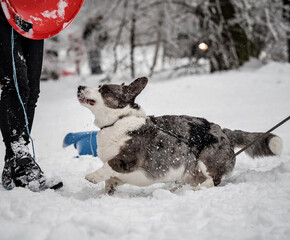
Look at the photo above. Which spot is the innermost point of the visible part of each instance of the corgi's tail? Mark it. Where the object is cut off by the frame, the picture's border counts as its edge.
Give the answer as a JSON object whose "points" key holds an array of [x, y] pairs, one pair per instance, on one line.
{"points": [[269, 145]]}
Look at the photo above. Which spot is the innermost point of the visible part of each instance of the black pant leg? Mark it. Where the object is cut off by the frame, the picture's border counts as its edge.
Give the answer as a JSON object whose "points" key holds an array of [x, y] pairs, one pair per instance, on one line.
{"points": [[12, 122], [33, 53]]}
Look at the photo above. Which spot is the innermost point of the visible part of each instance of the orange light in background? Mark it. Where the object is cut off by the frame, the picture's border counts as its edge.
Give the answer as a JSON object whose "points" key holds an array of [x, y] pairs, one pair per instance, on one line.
{"points": [[203, 46]]}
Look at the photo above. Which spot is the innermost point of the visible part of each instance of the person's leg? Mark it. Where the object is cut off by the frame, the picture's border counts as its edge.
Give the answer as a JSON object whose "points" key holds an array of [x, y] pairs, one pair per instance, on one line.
{"points": [[28, 56], [12, 121], [20, 168], [33, 53]]}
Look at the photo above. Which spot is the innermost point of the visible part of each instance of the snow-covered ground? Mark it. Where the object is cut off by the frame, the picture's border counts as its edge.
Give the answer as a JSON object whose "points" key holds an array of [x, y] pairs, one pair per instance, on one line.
{"points": [[254, 203]]}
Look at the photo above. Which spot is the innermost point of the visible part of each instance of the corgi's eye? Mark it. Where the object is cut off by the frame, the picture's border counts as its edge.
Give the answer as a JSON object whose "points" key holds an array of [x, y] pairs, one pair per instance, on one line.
{"points": [[105, 89]]}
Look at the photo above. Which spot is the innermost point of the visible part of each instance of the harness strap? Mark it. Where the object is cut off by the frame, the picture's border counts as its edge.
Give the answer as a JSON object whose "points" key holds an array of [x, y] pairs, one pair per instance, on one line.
{"points": [[182, 139]]}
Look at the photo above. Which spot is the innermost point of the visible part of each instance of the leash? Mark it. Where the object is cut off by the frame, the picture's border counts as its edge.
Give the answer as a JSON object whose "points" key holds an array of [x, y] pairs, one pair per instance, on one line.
{"points": [[18, 93], [263, 135], [181, 138]]}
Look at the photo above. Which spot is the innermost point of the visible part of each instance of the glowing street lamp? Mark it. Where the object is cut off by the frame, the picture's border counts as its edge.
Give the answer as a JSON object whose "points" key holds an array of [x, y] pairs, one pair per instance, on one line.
{"points": [[203, 46]]}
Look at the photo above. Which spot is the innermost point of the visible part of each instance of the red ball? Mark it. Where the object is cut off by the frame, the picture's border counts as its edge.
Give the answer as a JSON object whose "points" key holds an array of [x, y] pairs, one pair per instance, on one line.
{"points": [[40, 19]]}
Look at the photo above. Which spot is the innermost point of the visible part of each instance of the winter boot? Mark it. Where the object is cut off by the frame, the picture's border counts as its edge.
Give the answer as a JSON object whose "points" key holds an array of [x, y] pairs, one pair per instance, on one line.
{"points": [[21, 170], [25, 172]]}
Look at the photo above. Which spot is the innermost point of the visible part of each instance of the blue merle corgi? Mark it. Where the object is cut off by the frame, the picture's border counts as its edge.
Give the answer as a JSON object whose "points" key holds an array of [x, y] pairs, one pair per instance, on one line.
{"points": [[142, 150]]}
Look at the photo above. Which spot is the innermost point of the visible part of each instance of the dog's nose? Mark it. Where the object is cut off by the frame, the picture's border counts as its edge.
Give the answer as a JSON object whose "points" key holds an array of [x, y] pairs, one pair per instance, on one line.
{"points": [[81, 88]]}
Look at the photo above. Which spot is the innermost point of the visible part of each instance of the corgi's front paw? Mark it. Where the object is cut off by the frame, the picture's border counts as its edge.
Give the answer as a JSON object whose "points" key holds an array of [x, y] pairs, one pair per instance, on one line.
{"points": [[94, 178]]}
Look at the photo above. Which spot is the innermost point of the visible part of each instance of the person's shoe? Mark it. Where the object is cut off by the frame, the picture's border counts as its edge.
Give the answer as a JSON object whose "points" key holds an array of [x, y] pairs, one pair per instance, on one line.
{"points": [[25, 172]]}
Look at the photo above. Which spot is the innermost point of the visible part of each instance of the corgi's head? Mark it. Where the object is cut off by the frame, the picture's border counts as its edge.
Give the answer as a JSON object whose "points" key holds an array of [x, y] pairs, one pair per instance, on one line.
{"points": [[111, 102]]}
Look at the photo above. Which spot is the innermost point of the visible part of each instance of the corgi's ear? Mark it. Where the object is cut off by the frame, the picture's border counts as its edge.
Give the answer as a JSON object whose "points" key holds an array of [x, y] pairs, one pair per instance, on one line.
{"points": [[136, 87]]}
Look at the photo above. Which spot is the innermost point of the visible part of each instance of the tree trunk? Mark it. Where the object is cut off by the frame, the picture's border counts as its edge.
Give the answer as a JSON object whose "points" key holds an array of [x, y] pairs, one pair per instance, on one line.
{"points": [[118, 37], [237, 47], [133, 38], [158, 40]]}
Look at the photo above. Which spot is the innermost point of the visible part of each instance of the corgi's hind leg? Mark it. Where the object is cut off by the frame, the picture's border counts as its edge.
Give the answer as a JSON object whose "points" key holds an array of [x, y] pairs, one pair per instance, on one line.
{"points": [[215, 161], [208, 182]]}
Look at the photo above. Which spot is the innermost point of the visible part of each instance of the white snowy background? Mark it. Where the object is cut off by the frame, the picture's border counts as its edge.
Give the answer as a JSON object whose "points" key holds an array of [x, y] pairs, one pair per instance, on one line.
{"points": [[254, 203]]}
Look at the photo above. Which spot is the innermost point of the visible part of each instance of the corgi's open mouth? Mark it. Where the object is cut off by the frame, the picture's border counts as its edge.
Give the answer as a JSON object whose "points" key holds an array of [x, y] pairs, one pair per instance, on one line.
{"points": [[85, 100]]}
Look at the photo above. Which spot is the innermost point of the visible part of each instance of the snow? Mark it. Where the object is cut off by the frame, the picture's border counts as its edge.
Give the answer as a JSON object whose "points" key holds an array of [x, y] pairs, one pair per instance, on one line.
{"points": [[61, 6], [252, 203], [60, 12]]}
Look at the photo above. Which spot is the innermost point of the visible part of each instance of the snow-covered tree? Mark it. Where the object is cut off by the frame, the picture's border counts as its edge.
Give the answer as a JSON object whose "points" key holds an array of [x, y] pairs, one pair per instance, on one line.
{"points": [[167, 30]]}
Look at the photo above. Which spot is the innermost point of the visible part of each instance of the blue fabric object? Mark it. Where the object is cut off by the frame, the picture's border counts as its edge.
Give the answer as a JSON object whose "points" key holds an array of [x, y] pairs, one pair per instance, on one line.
{"points": [[84, 142]]}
